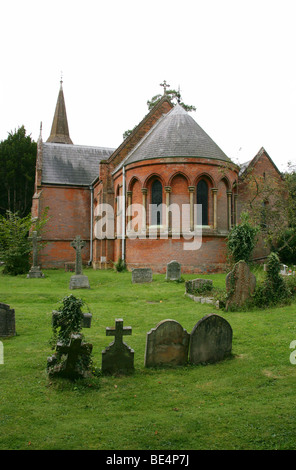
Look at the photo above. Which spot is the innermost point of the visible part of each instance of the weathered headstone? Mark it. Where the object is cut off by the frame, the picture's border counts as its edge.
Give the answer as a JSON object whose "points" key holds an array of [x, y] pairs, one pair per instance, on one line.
{"points": [[210, 340], [141, 275], [167, 344], [86, 322], [75, 352], [118, 357], [78, 281], [173, 271], [35, 271], [7, 321], [240, 284]]}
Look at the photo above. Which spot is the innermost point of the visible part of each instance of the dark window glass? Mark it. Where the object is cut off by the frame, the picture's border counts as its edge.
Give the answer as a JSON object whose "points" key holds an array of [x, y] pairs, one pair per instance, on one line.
{"points": [[156, 200], [202, 198]]}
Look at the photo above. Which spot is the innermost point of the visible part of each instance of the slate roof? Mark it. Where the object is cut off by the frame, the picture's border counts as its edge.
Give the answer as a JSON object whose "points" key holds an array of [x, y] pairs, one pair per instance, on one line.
{"points": [[176, 134], [72, 164]]}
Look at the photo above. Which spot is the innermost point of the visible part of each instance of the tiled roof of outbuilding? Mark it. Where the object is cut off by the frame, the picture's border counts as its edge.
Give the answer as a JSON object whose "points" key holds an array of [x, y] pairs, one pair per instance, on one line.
{"points": [[72, 164], [176, 134]]}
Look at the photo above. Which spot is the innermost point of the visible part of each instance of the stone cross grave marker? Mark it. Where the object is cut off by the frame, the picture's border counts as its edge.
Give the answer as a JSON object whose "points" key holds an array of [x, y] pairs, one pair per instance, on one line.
{"points": [[35, 271], [141, 275], [167, 344], [240, 284], [210, 340], [73, 351], [78, 281], [118, 357], [173, 271], [7, 321]]}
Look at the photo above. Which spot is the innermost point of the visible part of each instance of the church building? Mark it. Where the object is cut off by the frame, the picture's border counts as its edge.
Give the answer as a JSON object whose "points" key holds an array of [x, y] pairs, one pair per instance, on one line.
{"points": [[168, 192]]}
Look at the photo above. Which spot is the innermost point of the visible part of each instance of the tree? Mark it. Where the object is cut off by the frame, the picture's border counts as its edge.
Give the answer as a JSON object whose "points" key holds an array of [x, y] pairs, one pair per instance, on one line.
{"points": [[270, 200], [175, 97], [17, 172], [15, 247]]}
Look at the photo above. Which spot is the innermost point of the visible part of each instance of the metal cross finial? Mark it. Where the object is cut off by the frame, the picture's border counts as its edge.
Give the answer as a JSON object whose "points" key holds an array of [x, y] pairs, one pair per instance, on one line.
{"points": [[165, 85]]}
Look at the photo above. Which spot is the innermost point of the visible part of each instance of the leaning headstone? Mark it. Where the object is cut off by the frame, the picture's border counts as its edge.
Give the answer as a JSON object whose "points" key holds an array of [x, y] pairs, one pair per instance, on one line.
{"points": [[173, 271], [7, 321], [78, 281], [35, 271], [240, 284], [141, 275], [76, 356], [167, 344], [210, 340], [118, 357]]}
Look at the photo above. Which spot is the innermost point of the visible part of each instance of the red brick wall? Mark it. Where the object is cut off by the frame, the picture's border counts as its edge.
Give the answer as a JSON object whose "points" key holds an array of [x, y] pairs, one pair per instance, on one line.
{"points": [[69, 212], [211, 257]]}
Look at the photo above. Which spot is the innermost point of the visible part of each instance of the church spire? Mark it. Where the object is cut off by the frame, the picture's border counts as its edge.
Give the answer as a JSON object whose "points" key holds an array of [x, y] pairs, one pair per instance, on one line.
{"points": [[59, 130]]}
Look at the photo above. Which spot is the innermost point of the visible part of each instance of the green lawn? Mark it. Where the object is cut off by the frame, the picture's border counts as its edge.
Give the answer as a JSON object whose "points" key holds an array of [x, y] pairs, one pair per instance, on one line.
{"points": [[246, 402]]}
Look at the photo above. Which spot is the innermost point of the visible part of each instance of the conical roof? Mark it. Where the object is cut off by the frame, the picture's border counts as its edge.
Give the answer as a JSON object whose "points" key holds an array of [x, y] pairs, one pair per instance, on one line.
{"points": [[176, 134], [59, 131]]}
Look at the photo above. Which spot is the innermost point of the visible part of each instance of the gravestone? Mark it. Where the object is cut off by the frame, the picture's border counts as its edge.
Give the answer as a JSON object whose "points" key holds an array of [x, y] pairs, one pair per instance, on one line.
{"points": [[7, 321], [167, 344], [86, 322], [240, 284], [198, 286], [35, 271], [173, 271], [118, 357], [75, 353], [210, 340], [141, 275], [78, 281]]}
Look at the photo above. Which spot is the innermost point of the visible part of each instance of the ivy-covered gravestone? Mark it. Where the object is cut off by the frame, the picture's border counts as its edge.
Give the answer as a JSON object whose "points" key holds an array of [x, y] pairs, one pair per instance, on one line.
{"points": [[240, 285], [72, 357]]}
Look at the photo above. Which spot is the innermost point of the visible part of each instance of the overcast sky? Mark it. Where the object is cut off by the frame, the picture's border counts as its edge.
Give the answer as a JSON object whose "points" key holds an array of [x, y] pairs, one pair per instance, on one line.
{"points": [[234, 60]]}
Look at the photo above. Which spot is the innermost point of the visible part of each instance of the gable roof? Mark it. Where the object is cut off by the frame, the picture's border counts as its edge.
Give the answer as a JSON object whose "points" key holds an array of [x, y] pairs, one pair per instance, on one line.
{"points": [[71, 164], [175, 134], [251, 163]]}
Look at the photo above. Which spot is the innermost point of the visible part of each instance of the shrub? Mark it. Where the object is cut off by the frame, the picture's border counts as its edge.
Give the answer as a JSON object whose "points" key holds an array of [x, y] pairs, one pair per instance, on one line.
{"points": [[273, 289], [120, 266], [68, 319], [241, 240]]}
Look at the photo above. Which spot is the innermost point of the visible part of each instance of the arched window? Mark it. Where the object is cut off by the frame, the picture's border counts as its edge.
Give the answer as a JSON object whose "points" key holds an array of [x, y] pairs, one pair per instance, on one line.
{"points": [[202, 198], [156, 201]]}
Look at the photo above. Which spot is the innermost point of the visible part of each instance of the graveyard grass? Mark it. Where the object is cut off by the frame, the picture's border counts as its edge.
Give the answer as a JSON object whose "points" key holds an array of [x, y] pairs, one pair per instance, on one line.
{"points": [[245, 402]]}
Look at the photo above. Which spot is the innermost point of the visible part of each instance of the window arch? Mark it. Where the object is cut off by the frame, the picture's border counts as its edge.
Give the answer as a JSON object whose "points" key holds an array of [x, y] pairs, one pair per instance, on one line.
{"points": [[202, 195], [156, 201]]}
